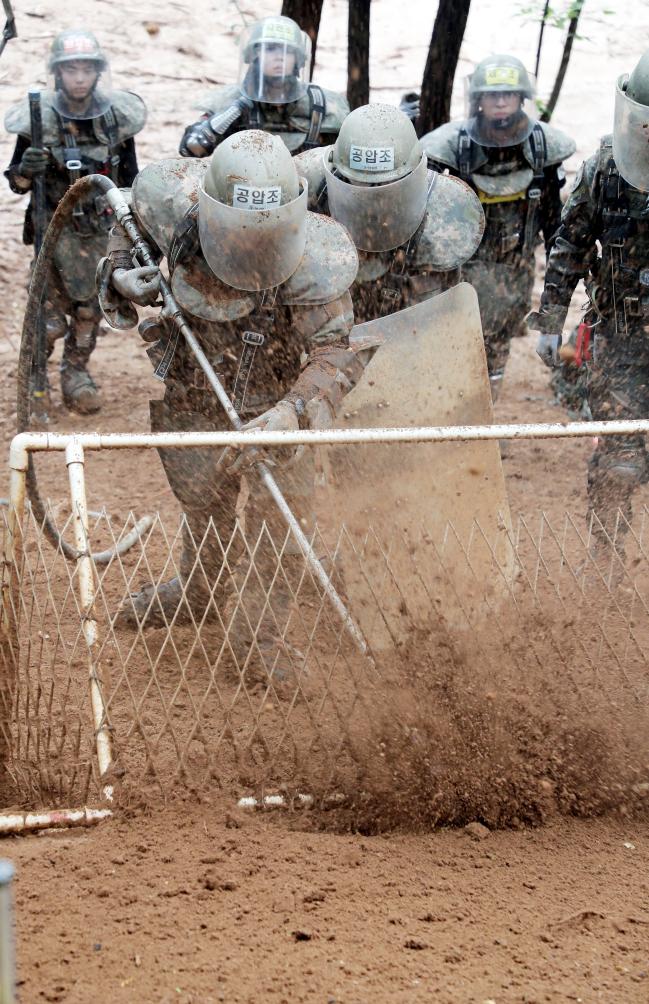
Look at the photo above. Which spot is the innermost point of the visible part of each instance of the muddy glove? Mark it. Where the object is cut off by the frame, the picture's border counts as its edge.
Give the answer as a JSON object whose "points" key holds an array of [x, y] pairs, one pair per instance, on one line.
{"points": [[139, 285], [282, 416], [34, 161], [547, 349]]}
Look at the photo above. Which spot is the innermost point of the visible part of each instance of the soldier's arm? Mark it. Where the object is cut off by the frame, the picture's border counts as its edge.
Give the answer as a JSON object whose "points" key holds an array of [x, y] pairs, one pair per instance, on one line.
{"points": [[572, 253], [331, 368]]}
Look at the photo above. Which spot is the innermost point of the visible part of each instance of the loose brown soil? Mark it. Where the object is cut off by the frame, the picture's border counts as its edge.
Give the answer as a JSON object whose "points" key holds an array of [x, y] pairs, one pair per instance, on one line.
{"points": [[199, 901]]}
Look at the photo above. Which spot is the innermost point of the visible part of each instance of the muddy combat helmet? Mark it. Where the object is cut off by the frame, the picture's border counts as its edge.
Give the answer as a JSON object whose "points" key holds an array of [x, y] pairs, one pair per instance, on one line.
{"points": [[377, 179], [78, 45], [500, 74], [630, 145], [274, 61], [252, 212]]}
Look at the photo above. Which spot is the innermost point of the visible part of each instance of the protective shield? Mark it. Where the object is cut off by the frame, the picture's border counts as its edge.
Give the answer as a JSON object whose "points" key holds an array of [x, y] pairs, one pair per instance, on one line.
{"points": [[410, 511], [498, 115], [81, 88], [251, 248], [275, 61], [379, 217], [631, 139]]}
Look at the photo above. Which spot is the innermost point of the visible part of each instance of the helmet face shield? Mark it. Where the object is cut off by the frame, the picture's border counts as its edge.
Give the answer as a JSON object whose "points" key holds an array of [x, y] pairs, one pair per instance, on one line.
{"points": [[79, 76], [631, 138], [379, 217], [500, 109], [275, 61], [257, 243]]}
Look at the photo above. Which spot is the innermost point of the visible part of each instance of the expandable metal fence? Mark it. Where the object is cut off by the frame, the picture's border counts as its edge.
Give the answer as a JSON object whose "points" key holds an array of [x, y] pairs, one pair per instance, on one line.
{"points": [[85, 575]]}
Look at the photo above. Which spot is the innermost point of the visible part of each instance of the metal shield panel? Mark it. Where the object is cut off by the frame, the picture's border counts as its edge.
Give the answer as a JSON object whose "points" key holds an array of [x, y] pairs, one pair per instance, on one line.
{"points": [[426, 524]]}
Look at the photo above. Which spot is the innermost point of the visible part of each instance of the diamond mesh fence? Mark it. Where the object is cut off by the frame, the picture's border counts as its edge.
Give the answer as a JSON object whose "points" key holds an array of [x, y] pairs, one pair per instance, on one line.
{"points": [[244, 678]]}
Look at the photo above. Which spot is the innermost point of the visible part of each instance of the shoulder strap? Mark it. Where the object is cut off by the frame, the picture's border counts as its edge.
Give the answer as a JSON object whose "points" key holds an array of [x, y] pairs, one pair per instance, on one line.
{"points": [[110, 127], [317, 112], [539, 148], [464, 153], [185, 240]]}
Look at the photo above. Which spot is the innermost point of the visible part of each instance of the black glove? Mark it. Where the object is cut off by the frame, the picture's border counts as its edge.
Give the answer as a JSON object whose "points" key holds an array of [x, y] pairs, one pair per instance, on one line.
{"points": [[34, 161], [410, 105]]}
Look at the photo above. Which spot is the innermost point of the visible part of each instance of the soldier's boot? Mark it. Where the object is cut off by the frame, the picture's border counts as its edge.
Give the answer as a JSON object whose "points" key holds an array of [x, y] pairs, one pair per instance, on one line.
{"points": [[612, 479], [79, 390], [191, 597], [56, 326]]}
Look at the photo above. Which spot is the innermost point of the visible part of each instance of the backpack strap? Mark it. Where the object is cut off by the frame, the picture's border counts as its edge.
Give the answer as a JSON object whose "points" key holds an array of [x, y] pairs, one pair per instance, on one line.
{"points": [[464, 153], [317, 112], [539, 148], [110, 127]]}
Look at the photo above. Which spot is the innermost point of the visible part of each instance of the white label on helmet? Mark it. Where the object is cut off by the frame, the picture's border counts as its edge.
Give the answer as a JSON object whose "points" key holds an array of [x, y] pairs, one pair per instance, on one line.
{"points": [[78, 43], [277, 31], [372, 158], [249, 197], [508, 75]]}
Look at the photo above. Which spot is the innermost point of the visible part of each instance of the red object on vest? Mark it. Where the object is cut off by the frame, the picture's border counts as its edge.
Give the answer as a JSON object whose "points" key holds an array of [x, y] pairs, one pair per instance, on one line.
{"points": [[582, 347]]}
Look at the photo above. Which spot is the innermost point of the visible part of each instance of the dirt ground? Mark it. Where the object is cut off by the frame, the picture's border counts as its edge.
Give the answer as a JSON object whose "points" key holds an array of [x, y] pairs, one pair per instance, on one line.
{"points": [[198, 901]]}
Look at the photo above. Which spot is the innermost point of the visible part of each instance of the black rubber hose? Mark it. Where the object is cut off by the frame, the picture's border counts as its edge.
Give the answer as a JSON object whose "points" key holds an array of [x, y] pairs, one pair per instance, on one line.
{"points": [[84, 188]]}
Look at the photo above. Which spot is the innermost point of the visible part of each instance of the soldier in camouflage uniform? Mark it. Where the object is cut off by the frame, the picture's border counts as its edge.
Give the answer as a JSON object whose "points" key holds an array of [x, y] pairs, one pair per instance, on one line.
{"points": [[264, 285], [273, 94], [514, 165], [604, 239], [87, 129], [413, 228]]}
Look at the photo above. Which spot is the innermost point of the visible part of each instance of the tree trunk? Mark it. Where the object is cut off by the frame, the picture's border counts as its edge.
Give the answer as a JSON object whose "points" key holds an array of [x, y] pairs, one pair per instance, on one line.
{"points": [[439, 73], [307, 13], [544, 17], [358, 53], [565, 59]]}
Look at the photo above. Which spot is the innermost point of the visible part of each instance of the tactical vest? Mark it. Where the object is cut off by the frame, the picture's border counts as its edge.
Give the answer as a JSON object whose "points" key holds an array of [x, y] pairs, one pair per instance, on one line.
{"points": [[512, 220], [254, 119], [620, 293]]}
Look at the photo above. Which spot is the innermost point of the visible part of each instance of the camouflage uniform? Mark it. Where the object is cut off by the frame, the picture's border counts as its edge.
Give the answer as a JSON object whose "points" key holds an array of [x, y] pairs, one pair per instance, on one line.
{"points": [[603, 209], [272, 94], [303, 358], [387, 281], [292, 122], [519, 188], [105, 146]]}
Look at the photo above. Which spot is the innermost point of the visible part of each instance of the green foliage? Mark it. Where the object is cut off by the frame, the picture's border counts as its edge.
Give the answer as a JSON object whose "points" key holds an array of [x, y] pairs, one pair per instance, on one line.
{"points": [[557, 16]]}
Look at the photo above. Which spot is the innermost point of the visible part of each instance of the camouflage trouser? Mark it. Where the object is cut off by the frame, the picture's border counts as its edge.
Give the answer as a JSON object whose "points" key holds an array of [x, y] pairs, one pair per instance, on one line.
{"points": [[231, 536], [72, 308], [505, 294], [76, 321], [618, 388]]}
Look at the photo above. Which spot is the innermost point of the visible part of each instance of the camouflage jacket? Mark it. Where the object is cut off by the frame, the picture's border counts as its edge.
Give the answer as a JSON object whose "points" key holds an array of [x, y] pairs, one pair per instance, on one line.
{"points": [[521, 198], [448, 235], [292, 122], [603, 239], [305, 321], [98, 147]]}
